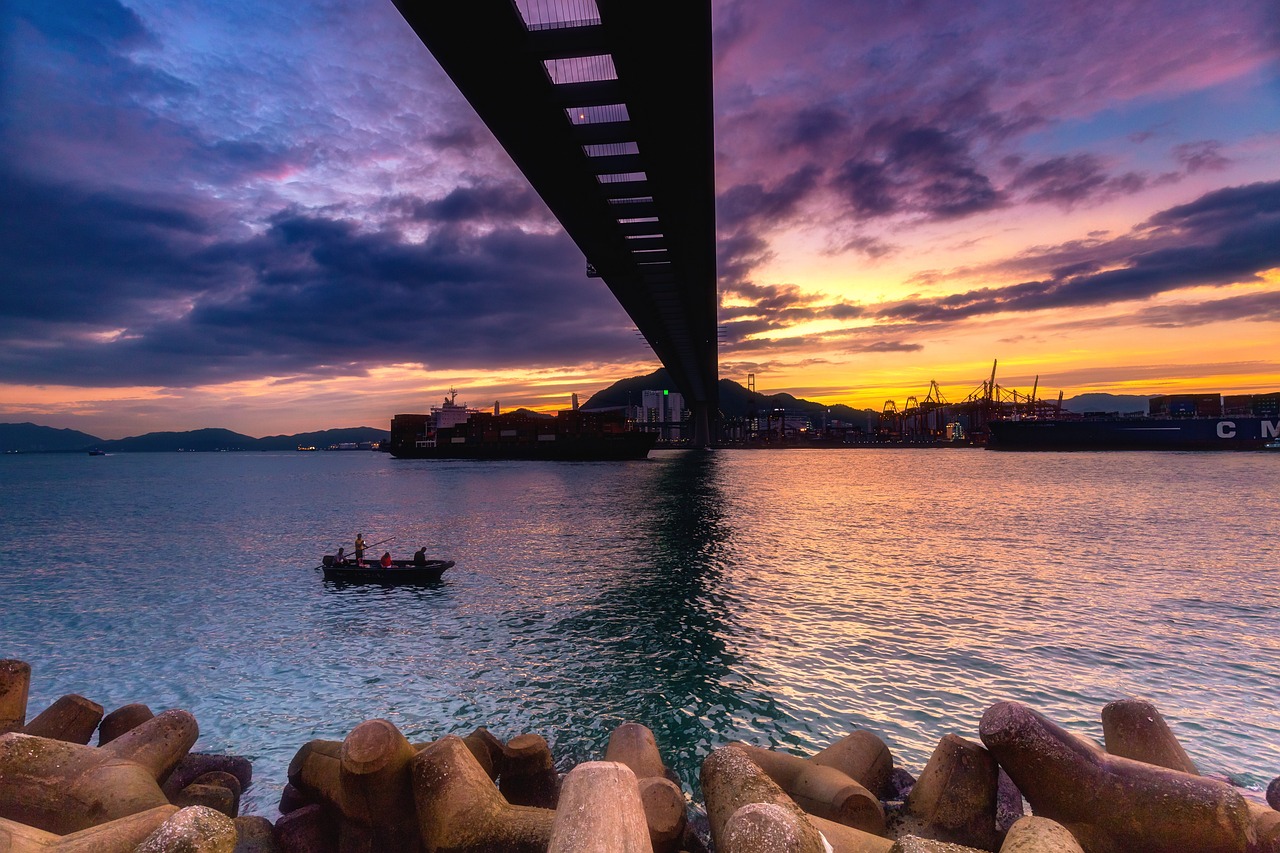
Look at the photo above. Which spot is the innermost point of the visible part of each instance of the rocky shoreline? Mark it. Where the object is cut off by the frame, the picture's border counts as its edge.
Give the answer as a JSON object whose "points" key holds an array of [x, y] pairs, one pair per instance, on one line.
{"points": [[142, 789]]}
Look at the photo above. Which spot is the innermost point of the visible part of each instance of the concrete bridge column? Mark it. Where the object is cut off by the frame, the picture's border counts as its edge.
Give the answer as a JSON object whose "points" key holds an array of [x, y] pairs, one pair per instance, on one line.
{"points": [[701, 415]]}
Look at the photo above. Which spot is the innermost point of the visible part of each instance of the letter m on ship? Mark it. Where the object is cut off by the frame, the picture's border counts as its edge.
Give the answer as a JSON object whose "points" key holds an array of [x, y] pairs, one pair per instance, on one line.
{"points": [[1270, 430]]}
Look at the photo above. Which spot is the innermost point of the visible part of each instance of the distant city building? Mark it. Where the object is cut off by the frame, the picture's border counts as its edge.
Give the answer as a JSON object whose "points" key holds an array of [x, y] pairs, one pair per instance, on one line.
{"points": [[665, 413]]}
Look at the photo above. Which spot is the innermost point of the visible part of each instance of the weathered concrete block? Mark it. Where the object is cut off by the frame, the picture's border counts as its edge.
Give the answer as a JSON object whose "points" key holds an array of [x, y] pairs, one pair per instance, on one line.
{"points": [[846, 839], [864, 757], [600, 812], [665, 811], [310, 829], [1133, 728], [1113, 804], [121, 720], [1008, 803], [634, 745], [214, 797], [731, 780], [223, 779], [528, 776], [769, 828], [255, 834], [460, 810], [72, 718], [955, 797], [195, 764], [15, 684], [1039, 835], [118, 836], [192, 830], [292, 799], [374, 774], [365, 780], [1266, 824], [64, 787], [915, 844], [488, 751], [819, 789]]}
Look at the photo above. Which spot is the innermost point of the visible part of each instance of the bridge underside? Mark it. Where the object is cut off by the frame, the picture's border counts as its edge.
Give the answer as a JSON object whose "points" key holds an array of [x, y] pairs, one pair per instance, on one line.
{"points": [[606, 109]]}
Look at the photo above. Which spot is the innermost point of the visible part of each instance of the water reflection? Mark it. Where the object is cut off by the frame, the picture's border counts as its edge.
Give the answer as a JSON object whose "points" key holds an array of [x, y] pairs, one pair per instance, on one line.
{"points": [[658, 626]]}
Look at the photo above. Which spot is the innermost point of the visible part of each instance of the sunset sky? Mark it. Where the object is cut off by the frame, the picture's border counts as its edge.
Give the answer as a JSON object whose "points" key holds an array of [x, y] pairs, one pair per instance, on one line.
{"points": [[277, 216]]}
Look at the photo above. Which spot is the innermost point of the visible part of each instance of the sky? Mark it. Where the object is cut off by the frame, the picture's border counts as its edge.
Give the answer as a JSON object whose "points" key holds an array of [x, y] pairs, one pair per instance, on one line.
{"points": [[276, 217]]}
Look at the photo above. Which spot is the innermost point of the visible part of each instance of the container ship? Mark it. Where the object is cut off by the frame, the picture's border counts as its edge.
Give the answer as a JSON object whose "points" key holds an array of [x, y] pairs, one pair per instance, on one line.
{"points": [[1176, 422], [453, 431]]}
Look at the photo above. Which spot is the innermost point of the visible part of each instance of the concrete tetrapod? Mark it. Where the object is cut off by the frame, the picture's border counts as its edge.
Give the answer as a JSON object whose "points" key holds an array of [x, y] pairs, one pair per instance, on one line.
{"points": [[528, 774], [121, 720], [955, 797], [460, 810], [862, 756], [64, 787], [731, 780], [1266, 824], [600, 812], [121, 835], [1133, 728], [192, 830], [820, 789], [1113, 804], [72, 718], [365, 779], [1032, 834], [664, 805], [15, 683]]}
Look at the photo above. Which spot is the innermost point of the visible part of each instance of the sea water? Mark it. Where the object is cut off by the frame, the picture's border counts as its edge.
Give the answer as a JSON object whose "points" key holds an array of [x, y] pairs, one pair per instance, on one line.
{"points": [[783, 598]]}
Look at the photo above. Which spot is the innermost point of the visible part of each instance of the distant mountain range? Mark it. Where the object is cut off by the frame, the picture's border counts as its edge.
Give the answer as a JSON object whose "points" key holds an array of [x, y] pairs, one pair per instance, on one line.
{"points": [[31, 438], [735, 402]]}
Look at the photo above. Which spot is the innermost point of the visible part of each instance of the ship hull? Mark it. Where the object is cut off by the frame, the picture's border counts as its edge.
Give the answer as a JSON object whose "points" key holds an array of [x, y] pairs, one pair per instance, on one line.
{"points": [[563, 448], [1228, 433]]}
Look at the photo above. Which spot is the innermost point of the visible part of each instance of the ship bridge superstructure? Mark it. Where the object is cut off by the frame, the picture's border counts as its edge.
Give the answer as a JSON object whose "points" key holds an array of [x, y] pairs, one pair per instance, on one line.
{"points": [[605, 106]]}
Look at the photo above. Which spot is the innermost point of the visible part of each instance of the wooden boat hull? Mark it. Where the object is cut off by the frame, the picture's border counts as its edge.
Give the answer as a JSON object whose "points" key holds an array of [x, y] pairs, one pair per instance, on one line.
{"points": [[401, 572]]}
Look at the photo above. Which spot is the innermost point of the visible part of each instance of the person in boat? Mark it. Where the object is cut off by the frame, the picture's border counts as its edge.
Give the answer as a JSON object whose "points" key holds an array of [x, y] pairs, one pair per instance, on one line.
{"points": [[359, 549], [420, 556], [341, 559], [386, 559]]}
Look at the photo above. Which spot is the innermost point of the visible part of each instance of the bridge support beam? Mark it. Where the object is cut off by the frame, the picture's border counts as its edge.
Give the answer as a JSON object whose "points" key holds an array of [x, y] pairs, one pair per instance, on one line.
{"points": [[702, 423]]}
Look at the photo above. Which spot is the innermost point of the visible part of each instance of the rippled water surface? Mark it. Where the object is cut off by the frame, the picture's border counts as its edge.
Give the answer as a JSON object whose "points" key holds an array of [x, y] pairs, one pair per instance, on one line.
{"points": [[776, 597]]}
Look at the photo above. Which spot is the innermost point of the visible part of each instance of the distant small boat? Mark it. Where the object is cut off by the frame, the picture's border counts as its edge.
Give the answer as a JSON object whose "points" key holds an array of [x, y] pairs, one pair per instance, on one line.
{"points": [[306, 448], [400, 572], [96, 452]]}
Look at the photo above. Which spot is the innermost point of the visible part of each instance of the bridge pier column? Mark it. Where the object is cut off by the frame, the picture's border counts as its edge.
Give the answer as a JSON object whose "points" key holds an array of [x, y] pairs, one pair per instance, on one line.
{"points": [[701, 416]]}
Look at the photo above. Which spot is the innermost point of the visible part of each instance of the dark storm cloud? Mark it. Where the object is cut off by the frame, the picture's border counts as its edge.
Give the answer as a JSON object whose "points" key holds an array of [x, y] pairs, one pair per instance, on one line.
{"points": [[1203, 156], [488, 201], [76, 255], [91, 28], [1225, 237], [913, 169], [746, 203], [306, 295], [1068, 181]]}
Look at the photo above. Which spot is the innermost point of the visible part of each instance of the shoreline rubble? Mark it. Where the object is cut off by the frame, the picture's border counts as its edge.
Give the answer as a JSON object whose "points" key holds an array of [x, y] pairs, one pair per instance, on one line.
{"points": [[142, 789]]}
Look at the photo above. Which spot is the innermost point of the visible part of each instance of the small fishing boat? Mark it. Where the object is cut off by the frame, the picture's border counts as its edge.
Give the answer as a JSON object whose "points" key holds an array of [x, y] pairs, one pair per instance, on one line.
{"points": [[97, 452], [400, 572]]}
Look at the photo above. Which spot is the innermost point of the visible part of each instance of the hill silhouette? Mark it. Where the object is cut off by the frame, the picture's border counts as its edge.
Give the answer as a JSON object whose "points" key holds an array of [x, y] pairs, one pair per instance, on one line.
{"points": [[33, 438]]}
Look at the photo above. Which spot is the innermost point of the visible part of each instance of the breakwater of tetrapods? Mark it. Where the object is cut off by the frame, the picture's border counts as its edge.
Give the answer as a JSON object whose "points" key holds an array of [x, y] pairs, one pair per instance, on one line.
{"points": [[1028, 786]]}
